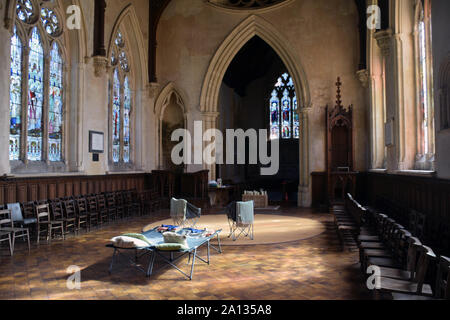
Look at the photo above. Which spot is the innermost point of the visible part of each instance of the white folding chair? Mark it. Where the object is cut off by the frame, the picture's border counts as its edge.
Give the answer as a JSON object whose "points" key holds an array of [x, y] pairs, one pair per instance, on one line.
{"points": [[243, 224], [183, 213]]}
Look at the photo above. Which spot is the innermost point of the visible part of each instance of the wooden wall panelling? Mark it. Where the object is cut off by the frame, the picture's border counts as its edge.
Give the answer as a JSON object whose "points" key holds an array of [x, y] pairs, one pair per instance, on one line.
{"points": [[68, 189], [83, 187], [51, 191], [11, 193], [43, 191], [427, 195], [2, 193], [76, 188], [61, 189], [22, 194], [33, 189]]}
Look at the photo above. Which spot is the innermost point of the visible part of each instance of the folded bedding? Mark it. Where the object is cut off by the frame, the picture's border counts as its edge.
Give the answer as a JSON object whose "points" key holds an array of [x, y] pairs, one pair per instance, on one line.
{"points": [[130, 241]]}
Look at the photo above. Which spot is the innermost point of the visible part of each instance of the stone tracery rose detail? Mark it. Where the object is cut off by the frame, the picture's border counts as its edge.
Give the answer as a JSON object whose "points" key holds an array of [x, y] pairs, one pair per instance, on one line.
{"points": [[244, 4]]}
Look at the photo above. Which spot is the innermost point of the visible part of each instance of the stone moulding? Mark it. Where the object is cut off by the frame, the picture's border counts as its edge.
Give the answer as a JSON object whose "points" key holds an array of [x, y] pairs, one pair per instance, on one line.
{"points": [[247, 6]]}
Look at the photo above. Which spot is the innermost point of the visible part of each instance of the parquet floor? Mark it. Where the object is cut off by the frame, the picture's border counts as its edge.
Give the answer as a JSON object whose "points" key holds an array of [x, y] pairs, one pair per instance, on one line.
{"points": [[309, 269]]}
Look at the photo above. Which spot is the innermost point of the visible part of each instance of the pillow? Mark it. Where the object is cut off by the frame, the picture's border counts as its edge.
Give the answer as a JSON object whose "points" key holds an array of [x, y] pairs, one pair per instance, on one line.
{"points": [[171, 247], [172, 237], [137, 236], [129, 242]]}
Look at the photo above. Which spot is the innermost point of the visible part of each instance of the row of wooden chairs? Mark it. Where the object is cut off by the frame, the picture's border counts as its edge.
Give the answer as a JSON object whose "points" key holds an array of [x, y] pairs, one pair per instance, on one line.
{"points": [[71, 214], [348, 220], [395, 261]]}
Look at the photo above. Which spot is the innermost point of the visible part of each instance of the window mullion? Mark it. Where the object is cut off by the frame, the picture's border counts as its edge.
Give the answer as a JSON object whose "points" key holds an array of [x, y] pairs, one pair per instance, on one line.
{"points": [[45, 108], [25, 96]]}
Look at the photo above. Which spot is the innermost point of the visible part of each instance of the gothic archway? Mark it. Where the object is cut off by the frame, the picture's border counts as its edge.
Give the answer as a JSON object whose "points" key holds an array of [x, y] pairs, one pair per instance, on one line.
{"points": [[250, 27]]}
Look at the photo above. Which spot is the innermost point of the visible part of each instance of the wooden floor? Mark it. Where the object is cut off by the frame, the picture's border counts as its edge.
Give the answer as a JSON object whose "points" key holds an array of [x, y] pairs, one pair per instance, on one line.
{"points": [[309, 269]]}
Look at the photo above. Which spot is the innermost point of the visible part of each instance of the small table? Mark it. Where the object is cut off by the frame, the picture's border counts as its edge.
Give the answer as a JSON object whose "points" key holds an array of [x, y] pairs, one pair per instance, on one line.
{"points": [[220, 196], [194, 243]]}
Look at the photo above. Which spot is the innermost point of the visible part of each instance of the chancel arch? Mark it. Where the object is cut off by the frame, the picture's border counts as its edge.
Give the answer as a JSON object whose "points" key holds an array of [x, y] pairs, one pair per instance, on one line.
{"points": [[256, 26]]}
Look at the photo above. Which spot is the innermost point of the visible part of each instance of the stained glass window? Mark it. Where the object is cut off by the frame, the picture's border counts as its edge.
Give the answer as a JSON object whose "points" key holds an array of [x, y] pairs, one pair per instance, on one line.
{"points": [[284, 120], [423, 82], [126, 121], [55, 108], [25, 10], [15, 93], [425, 88], [274, 116], [35, 97], [50, 21], [116, 118], [121, 95], [36, 121]]}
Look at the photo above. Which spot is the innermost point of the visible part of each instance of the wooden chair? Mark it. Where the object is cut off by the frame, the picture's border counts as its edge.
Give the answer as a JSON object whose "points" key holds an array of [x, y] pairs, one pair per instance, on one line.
{"points": [[394, 243], [102, 208], [113, 209], [416, 286], [45, 224], [409, 272], [443, 279], [5, 234], [144, 200], [442, 289], [133, 204], [7, 225], [122, 208], [70, 214], [82, 214], [93, 213], [155, 200], [419, 224]]}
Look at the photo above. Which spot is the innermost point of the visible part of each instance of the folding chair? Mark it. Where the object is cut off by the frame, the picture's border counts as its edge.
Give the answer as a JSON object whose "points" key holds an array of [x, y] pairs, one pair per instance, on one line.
{"points": [[183, 213], [242, 221]]}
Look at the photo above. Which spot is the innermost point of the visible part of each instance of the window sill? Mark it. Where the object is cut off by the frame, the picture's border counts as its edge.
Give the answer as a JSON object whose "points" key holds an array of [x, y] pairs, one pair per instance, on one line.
{"points": [[417, 173], [378, 170], [124, 172], [44, 175]]}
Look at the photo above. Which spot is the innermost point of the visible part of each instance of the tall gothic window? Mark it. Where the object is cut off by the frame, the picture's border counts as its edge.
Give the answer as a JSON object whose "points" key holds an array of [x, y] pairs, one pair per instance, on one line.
{"points": [[36, 120], [425, 83], [284, 119], [121, 104]]}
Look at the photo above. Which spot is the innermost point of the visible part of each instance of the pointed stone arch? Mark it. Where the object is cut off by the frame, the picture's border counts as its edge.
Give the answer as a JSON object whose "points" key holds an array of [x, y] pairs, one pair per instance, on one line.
{"points": [[256, 26], [168, 94], [250, 27], [128, 22]]}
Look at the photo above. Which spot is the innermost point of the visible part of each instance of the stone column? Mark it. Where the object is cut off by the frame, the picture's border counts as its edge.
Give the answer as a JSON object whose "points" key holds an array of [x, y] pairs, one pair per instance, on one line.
{"points": [[304, 188], [5, 51], [209, 122]]}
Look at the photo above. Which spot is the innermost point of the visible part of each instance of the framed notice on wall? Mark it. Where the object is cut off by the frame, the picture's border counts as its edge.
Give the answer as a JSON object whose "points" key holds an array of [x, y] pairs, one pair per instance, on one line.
{"points": [[96, 142]]}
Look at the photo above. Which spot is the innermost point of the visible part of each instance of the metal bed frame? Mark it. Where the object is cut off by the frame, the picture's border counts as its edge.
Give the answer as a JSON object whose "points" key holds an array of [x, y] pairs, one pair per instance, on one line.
{"points": [[194, 243]]}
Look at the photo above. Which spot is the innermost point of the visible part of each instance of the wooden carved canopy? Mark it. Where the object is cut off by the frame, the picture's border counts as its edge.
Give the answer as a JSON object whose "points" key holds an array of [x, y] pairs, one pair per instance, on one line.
{"points": [[339, 134]]}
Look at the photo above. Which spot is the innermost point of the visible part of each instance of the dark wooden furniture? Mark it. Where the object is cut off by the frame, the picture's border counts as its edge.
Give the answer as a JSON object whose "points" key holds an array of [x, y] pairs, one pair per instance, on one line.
{"points": [[93, 213], [6, 234], [70, 215], [82, 214], [45, 224], [396, 195], [340, 176], [417, 285], [103, 211]]}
